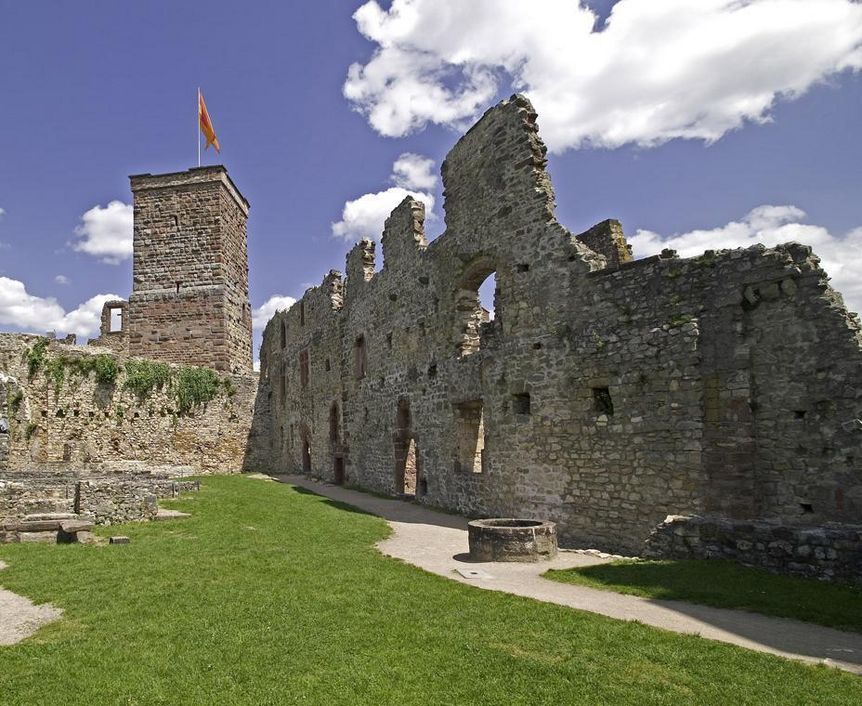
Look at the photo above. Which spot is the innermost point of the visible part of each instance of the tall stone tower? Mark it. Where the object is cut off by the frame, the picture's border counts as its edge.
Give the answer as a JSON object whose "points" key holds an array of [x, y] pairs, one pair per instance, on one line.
{"points": [[189, 301]]}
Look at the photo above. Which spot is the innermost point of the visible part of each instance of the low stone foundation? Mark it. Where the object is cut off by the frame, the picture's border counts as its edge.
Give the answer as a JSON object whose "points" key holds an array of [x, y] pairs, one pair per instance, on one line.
{"points": [[102, 500], [832, 553], [48, 528], [506, 539]]}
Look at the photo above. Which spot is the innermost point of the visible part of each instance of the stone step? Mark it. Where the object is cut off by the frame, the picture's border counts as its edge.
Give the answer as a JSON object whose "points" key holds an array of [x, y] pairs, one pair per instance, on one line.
{"points": [[51, 516], [38, 537], [74, 526]]}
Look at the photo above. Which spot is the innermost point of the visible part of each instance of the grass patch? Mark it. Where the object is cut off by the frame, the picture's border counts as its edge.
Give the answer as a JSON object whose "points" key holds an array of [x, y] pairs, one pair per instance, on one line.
{"points": [[724, 584], [271, 596]]}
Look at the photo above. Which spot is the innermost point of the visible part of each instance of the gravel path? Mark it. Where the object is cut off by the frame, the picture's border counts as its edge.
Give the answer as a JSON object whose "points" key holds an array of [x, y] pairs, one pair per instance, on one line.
{"points": [[437, 542], [19, 618]]}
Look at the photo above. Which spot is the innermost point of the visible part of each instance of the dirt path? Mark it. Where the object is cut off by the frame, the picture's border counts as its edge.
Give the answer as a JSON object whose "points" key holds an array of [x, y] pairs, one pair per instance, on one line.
{"points": [[437, 542], [19, 618]]}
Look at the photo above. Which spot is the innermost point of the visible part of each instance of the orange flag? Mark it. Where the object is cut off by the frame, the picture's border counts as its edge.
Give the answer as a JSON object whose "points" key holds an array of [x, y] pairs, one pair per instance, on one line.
{"points": [[206, 124]]}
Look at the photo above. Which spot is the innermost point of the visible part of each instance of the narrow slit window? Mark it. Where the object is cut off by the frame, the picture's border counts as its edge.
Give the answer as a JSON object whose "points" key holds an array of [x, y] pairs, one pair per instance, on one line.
{"points": [[360, 357], [303, 368]]}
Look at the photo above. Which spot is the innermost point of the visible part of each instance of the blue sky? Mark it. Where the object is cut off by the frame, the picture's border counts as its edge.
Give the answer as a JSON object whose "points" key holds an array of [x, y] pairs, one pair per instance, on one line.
{"points": [[670, 144]]}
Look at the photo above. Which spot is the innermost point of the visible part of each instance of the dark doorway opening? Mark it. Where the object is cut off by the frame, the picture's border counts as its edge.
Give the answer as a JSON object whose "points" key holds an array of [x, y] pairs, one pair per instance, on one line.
{"points": [[306, 456], [338, 470], [407, 471]]}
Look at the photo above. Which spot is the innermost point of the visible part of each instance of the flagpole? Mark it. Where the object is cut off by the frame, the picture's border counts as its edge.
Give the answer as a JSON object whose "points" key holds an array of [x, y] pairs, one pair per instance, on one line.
{"points": [[198, 125]]}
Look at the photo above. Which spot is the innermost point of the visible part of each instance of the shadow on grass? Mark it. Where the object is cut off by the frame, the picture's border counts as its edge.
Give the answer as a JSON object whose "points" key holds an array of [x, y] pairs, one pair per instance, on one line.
{"points": [[724, 584], [391, 509], [337, 504]]}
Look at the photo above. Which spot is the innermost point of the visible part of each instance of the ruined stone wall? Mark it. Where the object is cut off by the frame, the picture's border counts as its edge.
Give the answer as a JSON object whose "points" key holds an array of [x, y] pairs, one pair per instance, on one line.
{"points": [[831, 552], [189, 302], [605, 394], [303, 382], [59, 417]]}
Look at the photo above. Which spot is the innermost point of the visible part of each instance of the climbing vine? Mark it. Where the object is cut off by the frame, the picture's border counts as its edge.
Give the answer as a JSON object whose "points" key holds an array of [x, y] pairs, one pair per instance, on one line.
{"points": [[144, 376], [195, 387], [55, 371], [190, 387], [35, 356]]}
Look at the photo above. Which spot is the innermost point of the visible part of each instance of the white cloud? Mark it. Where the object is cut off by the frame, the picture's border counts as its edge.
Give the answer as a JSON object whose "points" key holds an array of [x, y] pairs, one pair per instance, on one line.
{"points": [[28, 312], [62, 279], [413, 171], [658, 70], [841, 257], [2, 212], [106, 232], [261, 315], [364, 217]]}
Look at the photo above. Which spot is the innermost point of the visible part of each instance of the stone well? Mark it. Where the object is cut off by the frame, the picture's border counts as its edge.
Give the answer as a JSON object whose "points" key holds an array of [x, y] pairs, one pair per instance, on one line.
{"points": [[512, 539]]}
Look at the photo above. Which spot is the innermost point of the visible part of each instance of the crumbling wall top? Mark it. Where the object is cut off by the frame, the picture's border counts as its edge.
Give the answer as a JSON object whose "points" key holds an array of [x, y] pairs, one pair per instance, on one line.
{"points": [[404, 231]]}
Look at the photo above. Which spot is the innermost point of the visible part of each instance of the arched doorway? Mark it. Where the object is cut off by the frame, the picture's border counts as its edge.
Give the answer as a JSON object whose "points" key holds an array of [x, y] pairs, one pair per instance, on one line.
{"points": [[407, 472]]}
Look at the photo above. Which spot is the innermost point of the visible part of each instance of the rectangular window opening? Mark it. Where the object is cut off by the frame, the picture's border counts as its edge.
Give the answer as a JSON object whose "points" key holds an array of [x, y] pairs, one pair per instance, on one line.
{"points": [[521, 403], [116, 320], [470, 437]]}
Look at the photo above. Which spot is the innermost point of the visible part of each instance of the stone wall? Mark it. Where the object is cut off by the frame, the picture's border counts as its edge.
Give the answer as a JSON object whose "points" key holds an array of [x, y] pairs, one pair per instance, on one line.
{"points": [[104, 500], [189, 302], [115, 338], [604, 395], [62, 418], [829, 552]]}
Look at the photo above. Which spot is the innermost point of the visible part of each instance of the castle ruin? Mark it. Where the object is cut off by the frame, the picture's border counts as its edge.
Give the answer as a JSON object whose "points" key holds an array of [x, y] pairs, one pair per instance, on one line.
{"points": [[721, 392], [708, 406]]}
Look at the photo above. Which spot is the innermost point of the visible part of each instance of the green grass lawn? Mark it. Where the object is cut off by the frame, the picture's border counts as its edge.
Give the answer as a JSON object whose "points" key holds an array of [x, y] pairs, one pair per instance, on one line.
{"points": [[271, 596], [726, 585]]}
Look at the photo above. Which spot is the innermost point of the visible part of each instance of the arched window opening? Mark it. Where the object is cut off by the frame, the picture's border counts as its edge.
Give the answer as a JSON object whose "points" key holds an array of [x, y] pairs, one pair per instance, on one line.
{"points": [[283, 335], [477, 304], [488, 296]]}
